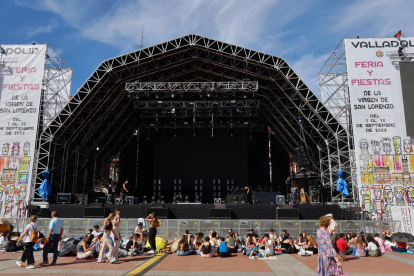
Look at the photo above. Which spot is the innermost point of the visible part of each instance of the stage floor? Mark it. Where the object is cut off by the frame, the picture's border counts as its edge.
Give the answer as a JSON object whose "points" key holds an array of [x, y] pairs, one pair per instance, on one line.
{"points": [[202, 211]]}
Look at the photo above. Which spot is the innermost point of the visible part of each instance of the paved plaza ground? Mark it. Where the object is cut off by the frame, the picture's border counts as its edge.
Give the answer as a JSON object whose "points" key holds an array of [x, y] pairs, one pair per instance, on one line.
{"points": [[238, 265]]}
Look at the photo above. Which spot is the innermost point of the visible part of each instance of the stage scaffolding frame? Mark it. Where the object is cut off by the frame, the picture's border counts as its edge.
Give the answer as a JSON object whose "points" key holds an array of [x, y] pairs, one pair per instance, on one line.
{"points": [[334, 90], [102, 115]]}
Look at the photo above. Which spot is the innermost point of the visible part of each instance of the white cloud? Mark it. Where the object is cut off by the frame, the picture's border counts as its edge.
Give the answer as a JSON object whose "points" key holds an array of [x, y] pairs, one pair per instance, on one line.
{"points": [[33, 31]]}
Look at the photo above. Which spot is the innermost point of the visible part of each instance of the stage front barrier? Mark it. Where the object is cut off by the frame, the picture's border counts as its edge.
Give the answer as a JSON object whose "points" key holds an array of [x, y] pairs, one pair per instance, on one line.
{"points": [[174, 228]]}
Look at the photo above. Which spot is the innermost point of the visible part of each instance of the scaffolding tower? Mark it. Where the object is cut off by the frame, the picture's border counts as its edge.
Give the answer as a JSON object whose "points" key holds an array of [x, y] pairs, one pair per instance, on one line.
{"points": [[334, 91]]}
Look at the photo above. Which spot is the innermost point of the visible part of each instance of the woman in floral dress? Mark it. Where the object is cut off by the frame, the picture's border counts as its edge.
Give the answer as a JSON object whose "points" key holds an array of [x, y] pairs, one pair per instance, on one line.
{"points": [[327, 259]]}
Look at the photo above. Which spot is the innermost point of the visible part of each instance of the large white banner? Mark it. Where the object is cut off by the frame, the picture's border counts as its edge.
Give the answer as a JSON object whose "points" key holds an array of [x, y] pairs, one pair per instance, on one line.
{"points": [[384, 155], [406, 216], [21, 74]]}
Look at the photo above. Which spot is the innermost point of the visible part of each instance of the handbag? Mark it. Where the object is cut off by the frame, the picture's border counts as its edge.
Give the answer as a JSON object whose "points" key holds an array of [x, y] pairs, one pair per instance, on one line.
{"points": [[340, 272]]}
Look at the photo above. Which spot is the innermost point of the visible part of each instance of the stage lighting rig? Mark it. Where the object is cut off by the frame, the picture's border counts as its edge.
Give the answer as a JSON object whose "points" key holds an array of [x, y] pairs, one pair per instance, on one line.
{"points": [[162, 199], [153, 199], [145, 200], [186, 198]]}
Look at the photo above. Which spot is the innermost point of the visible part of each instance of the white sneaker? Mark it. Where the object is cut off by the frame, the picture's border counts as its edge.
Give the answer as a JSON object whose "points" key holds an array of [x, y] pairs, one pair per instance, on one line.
{"points": [[19, 264], [30, 267], [252, 257], [151, 252]]}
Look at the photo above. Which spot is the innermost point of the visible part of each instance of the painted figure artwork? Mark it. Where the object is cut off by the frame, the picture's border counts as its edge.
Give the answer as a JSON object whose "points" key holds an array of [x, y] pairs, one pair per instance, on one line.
{"points": [[386, 170], [14, 175]]}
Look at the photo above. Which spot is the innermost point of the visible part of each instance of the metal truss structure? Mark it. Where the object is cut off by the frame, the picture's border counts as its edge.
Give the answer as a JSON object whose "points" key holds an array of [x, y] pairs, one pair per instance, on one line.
{"points": [[333, 85], [101, 115], [250, 86], [197, 104], [57, 82]]}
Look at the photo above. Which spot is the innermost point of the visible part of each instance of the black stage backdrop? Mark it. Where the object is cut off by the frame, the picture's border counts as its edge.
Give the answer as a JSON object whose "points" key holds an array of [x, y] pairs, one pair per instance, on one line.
{"points": [[206, 158]]}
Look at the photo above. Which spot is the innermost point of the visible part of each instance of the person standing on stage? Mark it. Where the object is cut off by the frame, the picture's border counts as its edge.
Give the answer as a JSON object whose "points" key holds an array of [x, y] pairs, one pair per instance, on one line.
{"points": [[125, 191], [54, 237], [117, 234], [152, 233]]}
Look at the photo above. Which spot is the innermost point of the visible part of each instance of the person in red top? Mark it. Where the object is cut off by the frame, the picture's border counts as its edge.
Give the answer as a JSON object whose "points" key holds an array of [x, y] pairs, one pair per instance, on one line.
{"points": [[401, 247], [342, 245]]}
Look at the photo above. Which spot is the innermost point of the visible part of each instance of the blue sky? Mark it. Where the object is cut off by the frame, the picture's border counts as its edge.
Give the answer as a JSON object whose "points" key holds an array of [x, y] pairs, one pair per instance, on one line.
{"points": [[303, 32]]}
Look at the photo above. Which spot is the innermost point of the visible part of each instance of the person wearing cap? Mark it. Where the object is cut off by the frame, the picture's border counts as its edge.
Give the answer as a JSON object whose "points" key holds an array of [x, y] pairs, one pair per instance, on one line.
{"points": [[333, 230], [252, 237], [141, 232]]}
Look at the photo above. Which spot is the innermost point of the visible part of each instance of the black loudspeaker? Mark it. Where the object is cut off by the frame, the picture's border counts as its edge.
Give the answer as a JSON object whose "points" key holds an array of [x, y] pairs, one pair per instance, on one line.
{"points": [[265, 197], [280, 199], [220, 213], [287, 206], [287, 214], [230, 198], [94, 212], [161, 213]]}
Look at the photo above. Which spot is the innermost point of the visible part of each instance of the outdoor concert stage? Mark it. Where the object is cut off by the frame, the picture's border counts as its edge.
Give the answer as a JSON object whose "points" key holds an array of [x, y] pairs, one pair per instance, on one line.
{"points": [[202, 211]]}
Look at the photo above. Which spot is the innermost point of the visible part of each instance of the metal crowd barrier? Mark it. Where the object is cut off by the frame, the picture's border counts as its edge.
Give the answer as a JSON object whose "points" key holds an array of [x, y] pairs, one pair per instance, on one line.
{"points": [[173, 228]]}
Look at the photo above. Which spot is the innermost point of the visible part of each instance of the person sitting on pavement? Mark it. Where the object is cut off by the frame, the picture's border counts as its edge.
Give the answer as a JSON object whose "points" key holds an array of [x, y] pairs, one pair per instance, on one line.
{"points": [[141, 232], [12, 245], [213, 240], [222, 250], [207, 251], [274, 237], [183, 248], [83, 249], [373, 247], [232, 246], [301, 241], [96, 232], [401, 247], [287, 245], [360, 247], [380, 243], [251, 238], [198, 242], [133, 246], [312, 245], [4, 238], [268, 248], [342, 246]]}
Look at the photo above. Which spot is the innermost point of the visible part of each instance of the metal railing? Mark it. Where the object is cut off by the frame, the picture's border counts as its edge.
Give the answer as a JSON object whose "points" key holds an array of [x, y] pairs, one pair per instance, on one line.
{"points": [[174, 228]]}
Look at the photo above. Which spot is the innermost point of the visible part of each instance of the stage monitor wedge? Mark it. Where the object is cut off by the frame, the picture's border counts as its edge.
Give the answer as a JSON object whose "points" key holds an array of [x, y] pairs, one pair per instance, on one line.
{"points": [[64, 198], [224, 213], [161, 213]]}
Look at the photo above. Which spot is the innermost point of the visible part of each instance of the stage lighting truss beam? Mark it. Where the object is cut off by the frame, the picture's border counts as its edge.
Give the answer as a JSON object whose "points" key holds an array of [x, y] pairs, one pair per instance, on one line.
{"points": [[185, 87], [294, 113], [201, 124], [197, 104]]}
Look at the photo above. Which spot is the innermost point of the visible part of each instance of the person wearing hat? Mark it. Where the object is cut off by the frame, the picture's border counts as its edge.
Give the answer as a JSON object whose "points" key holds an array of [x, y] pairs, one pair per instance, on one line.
{"points": [[333, 230], [252, 237], [141, 232]]}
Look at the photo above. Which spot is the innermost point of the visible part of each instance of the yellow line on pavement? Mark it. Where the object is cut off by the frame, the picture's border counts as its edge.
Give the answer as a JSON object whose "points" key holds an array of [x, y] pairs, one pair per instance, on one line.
{"points": [[145, 265]]}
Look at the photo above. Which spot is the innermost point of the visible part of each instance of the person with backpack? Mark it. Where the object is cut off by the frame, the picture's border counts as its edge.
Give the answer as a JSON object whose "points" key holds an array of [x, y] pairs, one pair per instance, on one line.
{"points": [[54, 237], [29, 237]]}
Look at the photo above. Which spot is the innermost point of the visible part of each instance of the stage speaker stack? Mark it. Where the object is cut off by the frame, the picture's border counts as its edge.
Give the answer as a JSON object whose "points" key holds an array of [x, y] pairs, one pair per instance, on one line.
{"points": [[314, 195], [224, 213], [265, 197], [287, 214]]}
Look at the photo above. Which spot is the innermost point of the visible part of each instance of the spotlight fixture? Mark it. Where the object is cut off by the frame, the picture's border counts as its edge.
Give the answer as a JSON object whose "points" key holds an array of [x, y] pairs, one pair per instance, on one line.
{"points": [[153, 199], [186, 198], [97, 148], [162, 199], [145, 200], [197, 199], [180, 198], [175, 198]]}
